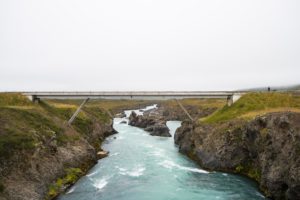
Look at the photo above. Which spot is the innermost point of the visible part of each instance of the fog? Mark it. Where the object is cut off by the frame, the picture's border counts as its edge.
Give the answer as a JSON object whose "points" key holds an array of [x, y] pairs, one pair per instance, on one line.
{"points": [[96, 45]]}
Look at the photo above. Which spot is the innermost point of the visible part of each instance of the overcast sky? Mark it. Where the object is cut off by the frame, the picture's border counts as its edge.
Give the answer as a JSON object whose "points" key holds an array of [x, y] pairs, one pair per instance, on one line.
{"points": [[148, 44]]}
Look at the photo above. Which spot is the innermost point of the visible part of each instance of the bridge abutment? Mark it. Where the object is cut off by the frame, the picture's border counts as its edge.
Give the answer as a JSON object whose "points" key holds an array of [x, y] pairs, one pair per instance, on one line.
{"points": [[35, 99], [231, 99]]}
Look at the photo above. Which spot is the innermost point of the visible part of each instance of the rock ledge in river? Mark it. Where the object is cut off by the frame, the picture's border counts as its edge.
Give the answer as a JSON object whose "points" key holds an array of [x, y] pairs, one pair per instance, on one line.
{"points": [[156, 126], [159, 130], [102, 154]]}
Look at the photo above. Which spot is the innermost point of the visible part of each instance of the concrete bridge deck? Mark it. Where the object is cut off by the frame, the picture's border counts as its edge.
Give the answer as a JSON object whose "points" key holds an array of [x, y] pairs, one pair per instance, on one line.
{"points": [[164, 95]]}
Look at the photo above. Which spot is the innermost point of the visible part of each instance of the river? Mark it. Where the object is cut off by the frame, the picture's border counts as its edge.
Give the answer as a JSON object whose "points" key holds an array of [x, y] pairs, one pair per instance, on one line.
{"points": [[144, 167]]}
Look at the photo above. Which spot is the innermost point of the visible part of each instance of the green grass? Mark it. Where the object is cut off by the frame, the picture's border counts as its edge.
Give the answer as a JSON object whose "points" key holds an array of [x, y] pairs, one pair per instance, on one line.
{"points": [[14, 99], [25, 125], [23, 129], [64, 113], [252, 103], [72, 175], [198, 103]]}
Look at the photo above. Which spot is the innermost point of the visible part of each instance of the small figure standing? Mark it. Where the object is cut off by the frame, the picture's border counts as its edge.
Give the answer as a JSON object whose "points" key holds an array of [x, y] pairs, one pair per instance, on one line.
{"points": [[269, 89]]}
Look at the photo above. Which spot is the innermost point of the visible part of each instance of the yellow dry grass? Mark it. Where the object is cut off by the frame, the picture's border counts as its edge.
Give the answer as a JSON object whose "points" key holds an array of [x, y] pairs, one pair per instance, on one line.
{"points": [[200, 103], [253, 114]]}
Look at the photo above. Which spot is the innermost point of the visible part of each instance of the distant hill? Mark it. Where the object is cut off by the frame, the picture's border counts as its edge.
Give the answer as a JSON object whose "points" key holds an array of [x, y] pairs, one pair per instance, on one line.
{"points": [[297, 87]]}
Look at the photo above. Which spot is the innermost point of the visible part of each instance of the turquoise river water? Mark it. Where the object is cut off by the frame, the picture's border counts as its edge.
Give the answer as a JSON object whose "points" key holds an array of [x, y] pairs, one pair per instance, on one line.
{"points": [[144, 167]]}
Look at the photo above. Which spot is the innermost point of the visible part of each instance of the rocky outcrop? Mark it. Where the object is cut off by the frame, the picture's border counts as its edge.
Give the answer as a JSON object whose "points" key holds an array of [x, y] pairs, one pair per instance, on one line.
{"points": [[266, 149], [141, 121], [28, 174], [152, 124], [102, 154], [159, 130]]}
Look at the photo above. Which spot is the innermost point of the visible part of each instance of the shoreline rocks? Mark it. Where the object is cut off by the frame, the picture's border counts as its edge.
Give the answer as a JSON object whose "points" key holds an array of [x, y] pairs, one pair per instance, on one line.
{"points": [[265, 149], [31, 173]]}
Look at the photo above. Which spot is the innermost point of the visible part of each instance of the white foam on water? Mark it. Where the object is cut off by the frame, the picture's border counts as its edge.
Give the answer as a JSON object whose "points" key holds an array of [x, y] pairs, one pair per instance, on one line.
{"points": [[135, 172], [259, 194], [150, 107], [170, 165], [167, 164], [158, 152], [100, 183], [149, 145], [115, 154], [121, 121], [120, 138], [140, 111], [91, 174], [71, 190], [121, 169]]}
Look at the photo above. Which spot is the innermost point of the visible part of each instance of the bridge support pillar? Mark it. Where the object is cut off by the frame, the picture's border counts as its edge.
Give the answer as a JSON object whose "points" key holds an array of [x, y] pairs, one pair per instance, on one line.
{"points": [[77, 111], [35, 99], [184, 110], [109, 113], [229, 100]]}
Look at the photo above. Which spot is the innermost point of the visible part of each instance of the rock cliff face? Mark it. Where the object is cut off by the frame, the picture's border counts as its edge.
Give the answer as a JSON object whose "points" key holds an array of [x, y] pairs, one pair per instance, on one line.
{"points": [[154, 125], [266, 149], [28, 174]]}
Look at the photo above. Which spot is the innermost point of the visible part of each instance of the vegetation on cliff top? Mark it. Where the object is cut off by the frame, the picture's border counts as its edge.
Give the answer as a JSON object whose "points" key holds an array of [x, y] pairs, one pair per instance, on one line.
{"points": [[253, 104], [25, 125], [199, 103]]}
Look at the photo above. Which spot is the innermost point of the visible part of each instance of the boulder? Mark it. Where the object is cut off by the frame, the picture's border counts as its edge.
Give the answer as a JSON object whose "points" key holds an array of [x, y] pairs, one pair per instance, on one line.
{"points": [[133, 118], [156, 126], [159, 130], [102, 154]]}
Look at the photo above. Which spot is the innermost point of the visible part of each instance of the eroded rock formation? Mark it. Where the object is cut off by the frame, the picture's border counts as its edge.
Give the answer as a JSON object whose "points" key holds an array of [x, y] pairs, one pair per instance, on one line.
{"points": [[266, 149]]}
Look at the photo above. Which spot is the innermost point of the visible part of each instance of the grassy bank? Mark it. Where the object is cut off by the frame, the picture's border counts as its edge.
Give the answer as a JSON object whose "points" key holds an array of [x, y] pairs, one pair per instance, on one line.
{"points": [[24, 124], [253, 104], [197, 103], [72, 175]]}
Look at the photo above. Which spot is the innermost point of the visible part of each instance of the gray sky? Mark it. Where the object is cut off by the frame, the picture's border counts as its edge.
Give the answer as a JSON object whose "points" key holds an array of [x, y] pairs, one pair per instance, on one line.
{"points": [[148, 44]]}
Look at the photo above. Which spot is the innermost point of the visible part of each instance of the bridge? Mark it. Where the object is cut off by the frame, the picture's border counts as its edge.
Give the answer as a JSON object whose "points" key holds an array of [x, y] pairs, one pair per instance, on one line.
{"points": [[149, 95], [230, 96]]}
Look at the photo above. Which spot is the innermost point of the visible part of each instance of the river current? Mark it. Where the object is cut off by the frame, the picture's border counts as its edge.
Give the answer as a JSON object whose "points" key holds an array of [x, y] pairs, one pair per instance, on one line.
{"points": [[144, 167]]}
